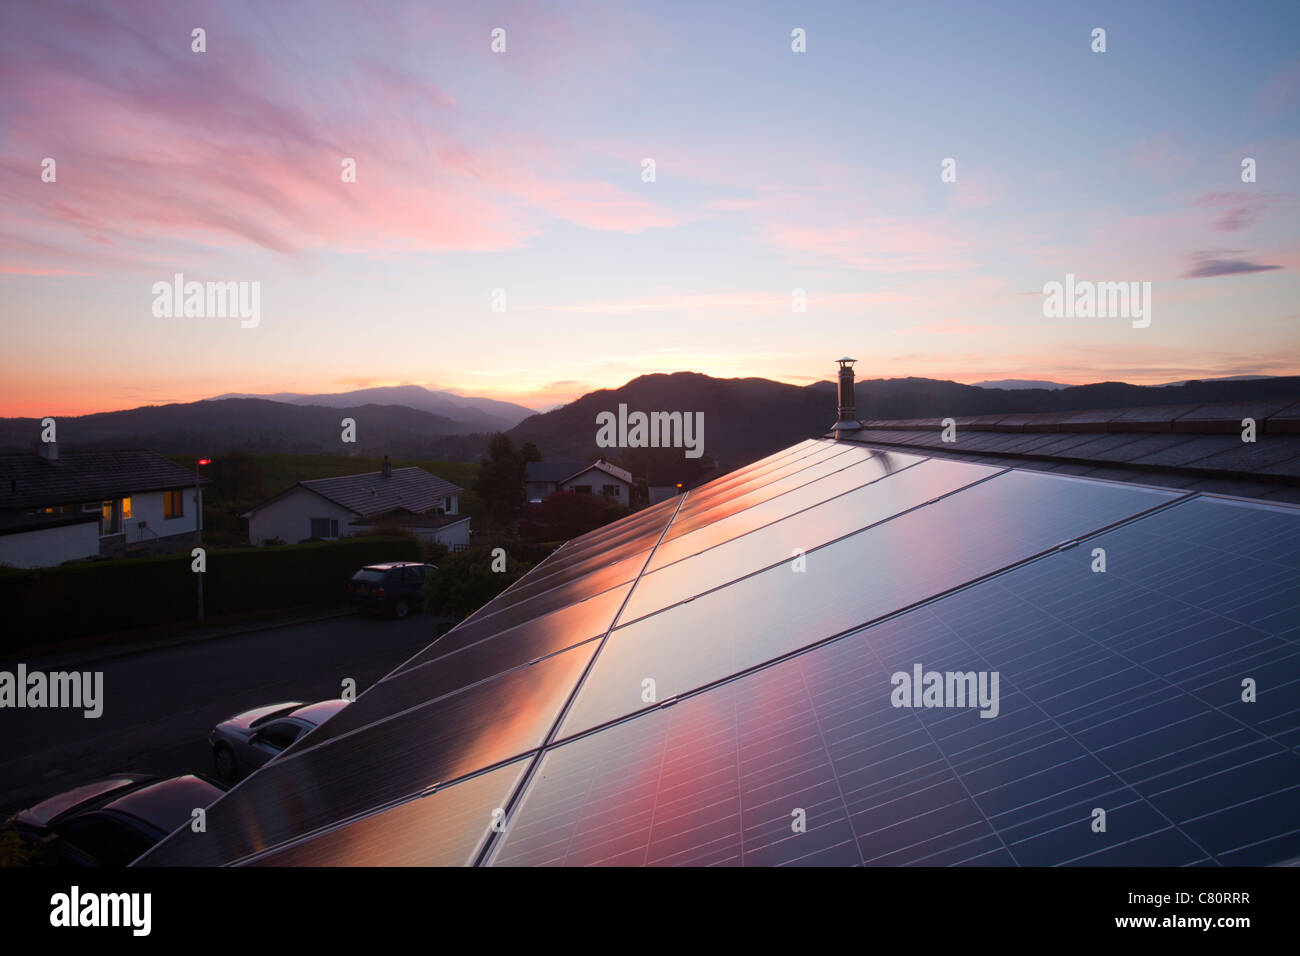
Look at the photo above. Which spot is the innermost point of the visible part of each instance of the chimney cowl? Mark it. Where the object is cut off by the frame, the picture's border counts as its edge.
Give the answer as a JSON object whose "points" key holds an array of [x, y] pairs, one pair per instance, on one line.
{"points": [[386, 470], [847, 418]]}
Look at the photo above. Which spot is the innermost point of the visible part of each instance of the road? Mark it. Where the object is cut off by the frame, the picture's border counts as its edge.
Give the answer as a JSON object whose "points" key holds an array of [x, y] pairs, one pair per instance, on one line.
{"points": [[160, 704]]}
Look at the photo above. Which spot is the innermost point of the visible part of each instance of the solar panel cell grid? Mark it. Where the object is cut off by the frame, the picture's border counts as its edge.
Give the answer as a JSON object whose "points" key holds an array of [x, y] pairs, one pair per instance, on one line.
{"points": [[444, 828], [980, 529], [1082, 725]]}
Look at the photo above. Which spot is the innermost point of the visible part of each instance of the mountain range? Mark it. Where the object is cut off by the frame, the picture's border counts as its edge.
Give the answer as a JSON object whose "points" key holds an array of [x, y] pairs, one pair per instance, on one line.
{"points": [[475, 414], [744, 418]]}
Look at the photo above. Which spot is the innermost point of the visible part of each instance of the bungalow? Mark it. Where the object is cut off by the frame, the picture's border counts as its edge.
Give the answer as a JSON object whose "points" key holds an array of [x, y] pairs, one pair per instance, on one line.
{"points": [[408, 499], [56, 508], [542, 478]]}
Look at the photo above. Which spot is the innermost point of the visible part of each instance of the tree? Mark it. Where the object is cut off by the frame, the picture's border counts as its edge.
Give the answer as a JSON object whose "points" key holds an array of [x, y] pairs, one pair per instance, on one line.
{"points": [[500, 481], [530, 452], [467, 580]]}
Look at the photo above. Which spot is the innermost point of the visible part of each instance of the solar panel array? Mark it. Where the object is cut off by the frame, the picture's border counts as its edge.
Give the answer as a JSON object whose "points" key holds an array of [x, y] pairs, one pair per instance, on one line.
{"points": [[1104, 674]]}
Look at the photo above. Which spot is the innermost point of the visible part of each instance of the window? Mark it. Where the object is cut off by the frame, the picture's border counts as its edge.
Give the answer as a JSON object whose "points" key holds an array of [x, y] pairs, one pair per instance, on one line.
{"points": [[109, 519], [610, 491], [173, 504], [324, 527], [126, 507], [279, 735], [582, 489]]}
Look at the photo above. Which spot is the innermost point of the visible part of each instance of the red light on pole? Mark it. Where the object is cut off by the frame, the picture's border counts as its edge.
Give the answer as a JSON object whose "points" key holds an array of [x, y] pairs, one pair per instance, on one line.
{"points": [[205, 461]]}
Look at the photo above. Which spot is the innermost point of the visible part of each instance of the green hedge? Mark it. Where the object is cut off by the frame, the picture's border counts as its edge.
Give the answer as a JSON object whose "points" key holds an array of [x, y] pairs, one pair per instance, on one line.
{"points": [[102, 597]]}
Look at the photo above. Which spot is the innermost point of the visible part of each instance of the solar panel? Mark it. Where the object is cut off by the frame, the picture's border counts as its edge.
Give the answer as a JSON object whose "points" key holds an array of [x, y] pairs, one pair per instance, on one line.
{"points": [[976, 531], [444, 828], [426, 678], [683, 688], [782, 505], [809, 760], [740, 545], [697, 513], [384, 762]]}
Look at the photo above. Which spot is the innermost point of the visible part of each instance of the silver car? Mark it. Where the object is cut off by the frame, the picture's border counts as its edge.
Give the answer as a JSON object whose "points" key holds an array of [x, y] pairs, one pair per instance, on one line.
{"points": [[244, 742]]}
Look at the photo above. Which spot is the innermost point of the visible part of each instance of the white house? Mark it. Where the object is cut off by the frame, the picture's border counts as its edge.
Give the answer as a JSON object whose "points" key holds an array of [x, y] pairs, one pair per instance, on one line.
{"points": [[542, 478], [62, 507], [408, 499]]}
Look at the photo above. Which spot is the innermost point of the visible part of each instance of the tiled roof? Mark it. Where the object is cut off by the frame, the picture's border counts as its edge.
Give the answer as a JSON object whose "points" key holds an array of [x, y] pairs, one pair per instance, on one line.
{"points": [[30, 481], [1197, 447], [613, 471], [557, 472], [408, 489]]}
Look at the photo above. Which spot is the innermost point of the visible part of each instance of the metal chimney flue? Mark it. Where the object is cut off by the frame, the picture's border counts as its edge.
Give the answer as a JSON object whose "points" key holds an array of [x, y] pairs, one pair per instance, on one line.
{"points": [[847, 419]]}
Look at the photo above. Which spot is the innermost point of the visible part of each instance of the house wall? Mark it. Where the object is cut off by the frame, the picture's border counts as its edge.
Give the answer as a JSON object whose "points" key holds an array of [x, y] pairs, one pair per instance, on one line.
{"points": [[50, 546], [148, 508], [454, 536], [289, 517], [598, 479]]}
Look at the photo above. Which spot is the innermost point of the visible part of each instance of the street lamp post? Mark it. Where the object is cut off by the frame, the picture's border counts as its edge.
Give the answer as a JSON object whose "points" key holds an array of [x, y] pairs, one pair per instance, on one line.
{"points": [[198, 527]]}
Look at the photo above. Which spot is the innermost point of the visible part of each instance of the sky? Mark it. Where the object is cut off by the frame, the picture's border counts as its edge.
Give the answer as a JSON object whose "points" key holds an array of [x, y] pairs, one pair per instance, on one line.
{"points": [[523, 172]]}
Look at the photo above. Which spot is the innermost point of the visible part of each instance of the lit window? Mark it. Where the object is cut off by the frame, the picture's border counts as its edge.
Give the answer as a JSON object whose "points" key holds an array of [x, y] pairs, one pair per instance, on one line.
{"points": [[173, 504], [126, 507]]}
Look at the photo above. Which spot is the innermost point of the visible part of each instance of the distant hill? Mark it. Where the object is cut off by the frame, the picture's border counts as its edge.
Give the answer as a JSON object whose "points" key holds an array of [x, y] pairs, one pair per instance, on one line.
{"points": [[1226, 378], [744, 418], [1015, 383], [748, 418], [256, 425], [476, 414]]}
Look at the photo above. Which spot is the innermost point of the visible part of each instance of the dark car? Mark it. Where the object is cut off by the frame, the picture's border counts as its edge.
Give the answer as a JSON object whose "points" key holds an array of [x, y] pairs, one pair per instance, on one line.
{"points": [[111, 822], [244, 742], [394, 588]]}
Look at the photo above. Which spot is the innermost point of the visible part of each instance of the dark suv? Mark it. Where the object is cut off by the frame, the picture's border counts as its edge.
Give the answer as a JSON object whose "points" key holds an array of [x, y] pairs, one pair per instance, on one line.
{"points": [[394, 588]]}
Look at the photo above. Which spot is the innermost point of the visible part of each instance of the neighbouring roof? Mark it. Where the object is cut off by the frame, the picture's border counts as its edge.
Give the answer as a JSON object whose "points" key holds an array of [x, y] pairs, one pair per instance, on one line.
{"points": [[1196, 447], [552, 472], [779, 609], [558, 472], [408, 489], [30, 481]]}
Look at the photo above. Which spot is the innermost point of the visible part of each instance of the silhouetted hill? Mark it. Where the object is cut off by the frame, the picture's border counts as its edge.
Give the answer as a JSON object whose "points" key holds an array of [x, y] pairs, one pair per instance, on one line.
{"points": [[475, 414], [252, 425], [745, 419]]}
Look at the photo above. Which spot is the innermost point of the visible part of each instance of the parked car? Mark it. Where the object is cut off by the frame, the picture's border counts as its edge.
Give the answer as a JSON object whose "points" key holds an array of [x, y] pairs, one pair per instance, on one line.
{"points": [[394, 588], [111, 822], [246, 741]]}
